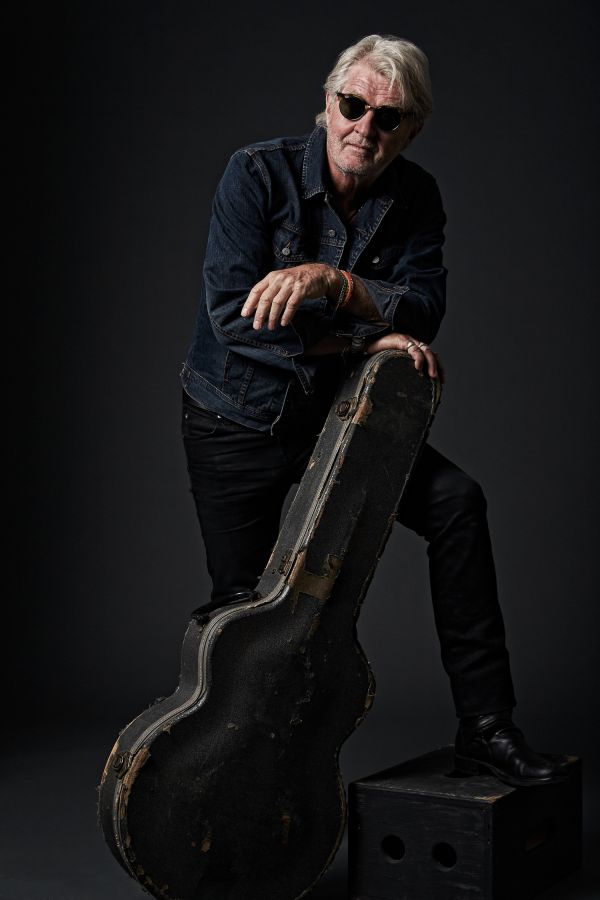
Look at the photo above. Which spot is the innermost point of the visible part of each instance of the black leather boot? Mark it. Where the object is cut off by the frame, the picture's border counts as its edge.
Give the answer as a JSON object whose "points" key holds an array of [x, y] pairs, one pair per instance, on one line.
{"points": [[202, 613], [493, 743]]}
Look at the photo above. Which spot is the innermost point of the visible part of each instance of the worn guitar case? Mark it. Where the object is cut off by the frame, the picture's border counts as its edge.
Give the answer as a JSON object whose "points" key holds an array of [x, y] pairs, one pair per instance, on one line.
{"points": [[230, 789]]}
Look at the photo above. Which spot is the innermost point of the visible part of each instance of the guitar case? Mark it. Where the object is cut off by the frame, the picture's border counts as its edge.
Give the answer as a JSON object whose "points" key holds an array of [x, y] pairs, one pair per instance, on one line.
{"points": [[230, 788]]}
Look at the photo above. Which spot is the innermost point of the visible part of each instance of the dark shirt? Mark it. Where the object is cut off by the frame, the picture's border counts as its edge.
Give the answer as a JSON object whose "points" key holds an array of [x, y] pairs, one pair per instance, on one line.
{"points": [[274, 209]]}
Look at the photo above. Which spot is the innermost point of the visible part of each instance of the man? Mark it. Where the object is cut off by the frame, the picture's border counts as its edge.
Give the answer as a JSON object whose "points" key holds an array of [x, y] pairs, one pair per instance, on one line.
{"points": [[321, 246]]}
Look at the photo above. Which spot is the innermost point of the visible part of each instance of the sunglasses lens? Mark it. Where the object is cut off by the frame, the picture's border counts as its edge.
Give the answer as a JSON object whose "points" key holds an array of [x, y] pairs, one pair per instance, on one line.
{"points": [[352, 107], [387, 118]]}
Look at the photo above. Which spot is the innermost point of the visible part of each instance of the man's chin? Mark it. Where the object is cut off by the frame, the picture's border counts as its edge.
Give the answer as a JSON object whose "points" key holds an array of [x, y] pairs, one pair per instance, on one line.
{"points": [[352, 164], [356, 168]]}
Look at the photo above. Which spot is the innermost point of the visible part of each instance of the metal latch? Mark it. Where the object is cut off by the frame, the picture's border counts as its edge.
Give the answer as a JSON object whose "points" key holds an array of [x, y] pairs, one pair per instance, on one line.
{"points": [[121, 763], [287, 560], [346, 408]]}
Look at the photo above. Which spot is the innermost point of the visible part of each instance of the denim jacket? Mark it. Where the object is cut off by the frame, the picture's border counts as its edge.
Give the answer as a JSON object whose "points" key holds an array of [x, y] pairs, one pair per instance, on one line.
{"points": [[273, 209]]}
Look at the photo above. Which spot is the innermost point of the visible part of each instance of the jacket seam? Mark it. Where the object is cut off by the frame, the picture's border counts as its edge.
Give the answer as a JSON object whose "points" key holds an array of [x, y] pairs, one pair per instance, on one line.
{"points": [[215, 390], [244, 340]]}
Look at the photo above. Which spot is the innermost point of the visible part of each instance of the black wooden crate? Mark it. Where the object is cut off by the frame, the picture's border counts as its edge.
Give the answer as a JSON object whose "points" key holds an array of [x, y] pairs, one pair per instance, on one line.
{"points": [[419, 832]]}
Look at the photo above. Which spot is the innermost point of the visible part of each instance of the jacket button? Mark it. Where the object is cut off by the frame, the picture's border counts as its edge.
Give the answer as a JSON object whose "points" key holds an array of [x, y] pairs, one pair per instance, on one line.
{"points": [[286, 251], [375, 260], [331, 232]]}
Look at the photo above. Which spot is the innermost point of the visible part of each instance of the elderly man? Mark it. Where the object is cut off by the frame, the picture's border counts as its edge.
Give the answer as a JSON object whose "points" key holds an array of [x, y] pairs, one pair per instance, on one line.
{"points": [[322, 246]]}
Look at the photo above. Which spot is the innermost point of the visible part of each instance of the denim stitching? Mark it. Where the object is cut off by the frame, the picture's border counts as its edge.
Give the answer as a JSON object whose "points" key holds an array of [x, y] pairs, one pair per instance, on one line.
{"points": [[187, 373], [244, 340]]}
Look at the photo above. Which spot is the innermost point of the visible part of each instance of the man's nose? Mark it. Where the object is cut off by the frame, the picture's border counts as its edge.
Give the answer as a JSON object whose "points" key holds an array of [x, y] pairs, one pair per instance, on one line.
{"points": [[365, 126]]}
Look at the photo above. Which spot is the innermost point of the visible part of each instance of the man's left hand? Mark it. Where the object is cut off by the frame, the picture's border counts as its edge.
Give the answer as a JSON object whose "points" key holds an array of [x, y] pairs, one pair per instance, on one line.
{"points": [[422, 355], [277, 296]]}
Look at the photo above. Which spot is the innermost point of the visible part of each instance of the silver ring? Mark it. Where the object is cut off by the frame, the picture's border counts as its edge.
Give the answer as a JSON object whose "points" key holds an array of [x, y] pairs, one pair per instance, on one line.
{"points": [[409, 345], [422, 346]]}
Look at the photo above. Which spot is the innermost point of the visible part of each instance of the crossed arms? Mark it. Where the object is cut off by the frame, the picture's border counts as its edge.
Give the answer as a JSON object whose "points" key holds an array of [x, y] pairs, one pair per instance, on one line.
{"points": [[287, 312]]}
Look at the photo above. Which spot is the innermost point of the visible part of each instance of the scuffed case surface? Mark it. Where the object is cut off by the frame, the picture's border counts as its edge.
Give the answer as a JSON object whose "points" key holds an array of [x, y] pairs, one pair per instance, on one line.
{"points": [[231, 788]]}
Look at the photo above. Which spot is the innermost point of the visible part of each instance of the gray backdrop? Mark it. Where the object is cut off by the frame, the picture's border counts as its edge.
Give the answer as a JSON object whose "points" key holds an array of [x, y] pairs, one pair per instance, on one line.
{"points": [[129, 113]]}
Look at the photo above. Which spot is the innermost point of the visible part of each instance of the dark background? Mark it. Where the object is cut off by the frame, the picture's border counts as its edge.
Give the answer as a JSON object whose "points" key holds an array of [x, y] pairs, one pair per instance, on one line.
{"points": [[127, 114]]}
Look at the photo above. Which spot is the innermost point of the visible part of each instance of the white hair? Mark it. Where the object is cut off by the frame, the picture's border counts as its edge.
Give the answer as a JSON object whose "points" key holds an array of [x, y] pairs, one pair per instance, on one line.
{"points": [[403, 63]]}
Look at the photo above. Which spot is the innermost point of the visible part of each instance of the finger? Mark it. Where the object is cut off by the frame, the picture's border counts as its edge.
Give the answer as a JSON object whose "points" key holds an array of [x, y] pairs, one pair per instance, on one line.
{"points": [[294, 301], [280, 301], [431, 361], [416, 357], [433, 369], [277, 307], [415, 354], [253, 297], [429, 358], [264, 304]]}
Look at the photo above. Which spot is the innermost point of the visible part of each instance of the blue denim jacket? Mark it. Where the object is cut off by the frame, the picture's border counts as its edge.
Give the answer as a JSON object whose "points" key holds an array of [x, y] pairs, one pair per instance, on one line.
{"points": [[273, 209]]}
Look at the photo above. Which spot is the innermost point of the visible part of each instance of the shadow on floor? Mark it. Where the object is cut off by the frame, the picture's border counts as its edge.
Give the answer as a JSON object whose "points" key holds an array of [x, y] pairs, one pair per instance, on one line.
{"points": [[52, 848]]}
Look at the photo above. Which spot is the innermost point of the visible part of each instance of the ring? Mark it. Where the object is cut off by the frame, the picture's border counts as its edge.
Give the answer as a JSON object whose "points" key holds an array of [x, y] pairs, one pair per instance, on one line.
{"points": [[422, 346], [409, 345]]}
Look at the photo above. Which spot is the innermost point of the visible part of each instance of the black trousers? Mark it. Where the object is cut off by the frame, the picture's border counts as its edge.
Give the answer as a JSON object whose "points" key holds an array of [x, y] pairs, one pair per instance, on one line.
{"points": [[240, 478]]}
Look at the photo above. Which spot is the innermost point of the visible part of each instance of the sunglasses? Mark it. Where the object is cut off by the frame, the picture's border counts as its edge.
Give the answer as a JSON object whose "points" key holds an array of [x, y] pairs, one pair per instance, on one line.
{"points": [[387, 118]]}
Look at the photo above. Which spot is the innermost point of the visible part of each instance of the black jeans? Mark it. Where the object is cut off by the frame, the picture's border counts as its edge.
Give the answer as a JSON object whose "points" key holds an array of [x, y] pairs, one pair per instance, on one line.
{"points": [[240, 478]]}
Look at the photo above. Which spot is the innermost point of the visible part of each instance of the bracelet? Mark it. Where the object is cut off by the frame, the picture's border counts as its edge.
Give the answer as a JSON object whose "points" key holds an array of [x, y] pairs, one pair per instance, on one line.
{"points": [[356, 345], [346, 290]]}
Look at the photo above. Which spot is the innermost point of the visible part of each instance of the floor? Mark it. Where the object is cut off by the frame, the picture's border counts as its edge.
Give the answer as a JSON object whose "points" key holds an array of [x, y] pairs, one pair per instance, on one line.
{"points": [[52, 848]]}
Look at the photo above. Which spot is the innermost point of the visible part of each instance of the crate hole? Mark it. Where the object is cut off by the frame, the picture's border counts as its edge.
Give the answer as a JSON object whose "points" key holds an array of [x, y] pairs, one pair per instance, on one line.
{"points": [[541, 834], [393, 847], [445, 855]]}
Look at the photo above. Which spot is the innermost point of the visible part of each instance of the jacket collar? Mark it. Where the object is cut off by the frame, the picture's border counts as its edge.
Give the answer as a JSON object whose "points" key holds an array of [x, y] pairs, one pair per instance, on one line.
{"points": [[314, 178]]}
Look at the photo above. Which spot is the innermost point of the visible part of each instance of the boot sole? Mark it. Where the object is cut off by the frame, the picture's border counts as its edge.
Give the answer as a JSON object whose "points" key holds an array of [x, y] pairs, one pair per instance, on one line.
{"points": [[466, 766]]}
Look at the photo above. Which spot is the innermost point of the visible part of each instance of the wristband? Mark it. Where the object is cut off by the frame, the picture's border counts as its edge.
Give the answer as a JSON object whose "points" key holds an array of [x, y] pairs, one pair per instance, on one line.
{"points": [[356, 345], [346, 290]]}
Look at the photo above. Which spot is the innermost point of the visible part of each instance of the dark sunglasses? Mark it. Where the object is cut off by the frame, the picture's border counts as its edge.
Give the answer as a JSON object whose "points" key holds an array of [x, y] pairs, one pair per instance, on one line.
{"points": [[387, 118]]}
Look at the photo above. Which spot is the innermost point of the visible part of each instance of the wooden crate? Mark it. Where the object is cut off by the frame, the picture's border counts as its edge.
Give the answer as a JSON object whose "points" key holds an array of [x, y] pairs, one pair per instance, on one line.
{"points": [[419, 832]]}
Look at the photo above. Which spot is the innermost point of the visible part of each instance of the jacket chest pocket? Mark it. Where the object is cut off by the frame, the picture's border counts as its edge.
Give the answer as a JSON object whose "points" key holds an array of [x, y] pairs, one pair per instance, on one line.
{"points": [[382, 260], [290, 247]]}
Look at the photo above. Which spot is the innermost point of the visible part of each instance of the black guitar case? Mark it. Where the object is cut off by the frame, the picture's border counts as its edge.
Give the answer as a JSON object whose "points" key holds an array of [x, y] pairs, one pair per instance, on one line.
{"points": [[230, 789]]}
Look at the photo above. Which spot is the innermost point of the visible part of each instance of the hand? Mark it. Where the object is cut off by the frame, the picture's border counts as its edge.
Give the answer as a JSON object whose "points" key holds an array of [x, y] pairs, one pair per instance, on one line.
{"points": [[277, 296], [420, 353]]}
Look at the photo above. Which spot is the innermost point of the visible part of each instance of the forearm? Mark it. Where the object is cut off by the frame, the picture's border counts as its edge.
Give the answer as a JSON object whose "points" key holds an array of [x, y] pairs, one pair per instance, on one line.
{"points": [[330, 344], [422, 355], [360, 303], [359, 306]]}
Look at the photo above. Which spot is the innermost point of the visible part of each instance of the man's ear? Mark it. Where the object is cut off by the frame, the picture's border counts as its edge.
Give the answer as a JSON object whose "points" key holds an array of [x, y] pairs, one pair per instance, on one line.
{"points": [[414, 132]]}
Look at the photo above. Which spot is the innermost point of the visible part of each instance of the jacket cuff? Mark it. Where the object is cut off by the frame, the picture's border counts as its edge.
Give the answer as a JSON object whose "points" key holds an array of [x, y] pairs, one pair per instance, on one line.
{"points": [[386, 298]]}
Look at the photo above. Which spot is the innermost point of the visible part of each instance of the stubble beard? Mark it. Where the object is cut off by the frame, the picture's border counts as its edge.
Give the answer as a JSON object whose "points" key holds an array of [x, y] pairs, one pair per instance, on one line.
{"points": [[336, 148], [353, 170]]}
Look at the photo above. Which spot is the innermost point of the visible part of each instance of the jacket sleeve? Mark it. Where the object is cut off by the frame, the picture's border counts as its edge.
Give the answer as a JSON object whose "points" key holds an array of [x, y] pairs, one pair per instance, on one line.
{"points": [[240, 253], [412, 299]]}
